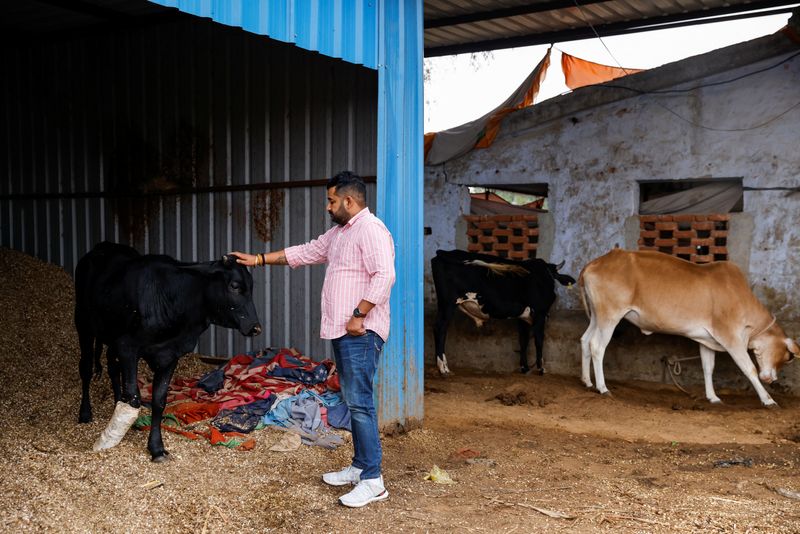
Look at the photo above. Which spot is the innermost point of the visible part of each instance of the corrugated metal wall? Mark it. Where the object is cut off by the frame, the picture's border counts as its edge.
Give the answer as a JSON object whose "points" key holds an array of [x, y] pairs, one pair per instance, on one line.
{"points": [[183, 105], [385, 35], [345, 29]]}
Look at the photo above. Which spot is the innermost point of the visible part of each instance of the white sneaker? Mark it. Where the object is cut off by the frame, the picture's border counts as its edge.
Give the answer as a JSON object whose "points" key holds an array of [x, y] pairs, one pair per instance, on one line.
{"points": [[348, 475], [365, 492]]}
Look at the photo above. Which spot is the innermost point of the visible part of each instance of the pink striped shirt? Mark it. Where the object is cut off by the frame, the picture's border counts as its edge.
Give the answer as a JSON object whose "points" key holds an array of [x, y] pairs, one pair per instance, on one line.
{"points": [[360, 258]]}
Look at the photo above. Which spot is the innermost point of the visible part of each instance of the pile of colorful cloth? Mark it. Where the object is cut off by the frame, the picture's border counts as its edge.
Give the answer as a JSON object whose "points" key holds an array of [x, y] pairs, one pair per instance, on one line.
{"points": [[274, 387]]}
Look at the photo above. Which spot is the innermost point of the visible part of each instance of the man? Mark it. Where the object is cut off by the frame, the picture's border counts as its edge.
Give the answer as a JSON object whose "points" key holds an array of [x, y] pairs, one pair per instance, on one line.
{"points": [[359, 252]]}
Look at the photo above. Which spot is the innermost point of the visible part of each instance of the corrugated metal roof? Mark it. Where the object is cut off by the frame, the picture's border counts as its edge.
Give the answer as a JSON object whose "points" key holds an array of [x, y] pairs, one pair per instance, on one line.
{"points": [[340, 29], [350, 30], [459, 26]]}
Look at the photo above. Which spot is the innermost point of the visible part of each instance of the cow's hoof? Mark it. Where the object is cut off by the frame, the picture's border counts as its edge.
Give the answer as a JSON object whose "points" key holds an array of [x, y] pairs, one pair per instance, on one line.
{"points": [[607, 393], [525, 370], [715, 401], [773, 406], [160, 458], [85, 417], [540, 372]]}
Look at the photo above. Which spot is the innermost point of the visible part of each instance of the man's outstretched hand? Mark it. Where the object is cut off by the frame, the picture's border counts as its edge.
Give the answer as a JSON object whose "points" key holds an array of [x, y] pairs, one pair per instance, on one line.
{"points": [[245, 259]]}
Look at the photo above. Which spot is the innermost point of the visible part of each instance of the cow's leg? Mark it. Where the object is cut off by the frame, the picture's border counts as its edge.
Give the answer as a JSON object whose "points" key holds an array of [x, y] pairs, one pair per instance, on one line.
{"points": [[127, 409], [128, 362], [162, 376], [444, 314], [86, 342], [538, 340], [98, 352], [586, 354], [742, 359], [601, 335], [524, 330], [539, 320], [707, 357], [114, 372]]}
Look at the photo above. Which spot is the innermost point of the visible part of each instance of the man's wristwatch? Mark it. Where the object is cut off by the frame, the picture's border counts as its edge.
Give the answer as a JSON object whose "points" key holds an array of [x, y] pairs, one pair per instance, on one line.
{"points": [[357, 313]]}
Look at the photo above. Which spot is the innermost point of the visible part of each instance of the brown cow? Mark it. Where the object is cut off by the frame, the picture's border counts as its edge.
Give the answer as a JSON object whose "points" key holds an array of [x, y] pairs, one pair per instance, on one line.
{"points": [[711, 304]]}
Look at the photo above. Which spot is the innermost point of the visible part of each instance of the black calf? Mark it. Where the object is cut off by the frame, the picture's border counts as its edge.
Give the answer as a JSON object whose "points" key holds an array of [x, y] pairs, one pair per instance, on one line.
{"points": [[156, 308]]}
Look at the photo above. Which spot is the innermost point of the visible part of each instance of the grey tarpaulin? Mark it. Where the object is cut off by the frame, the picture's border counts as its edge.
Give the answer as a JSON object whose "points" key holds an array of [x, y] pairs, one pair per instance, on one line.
{"points": [[719, 197], [478, 206]]}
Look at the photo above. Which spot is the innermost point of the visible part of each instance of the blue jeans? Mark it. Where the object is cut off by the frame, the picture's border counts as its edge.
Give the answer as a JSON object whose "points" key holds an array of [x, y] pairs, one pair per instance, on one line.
{"points": [[356, 359]]}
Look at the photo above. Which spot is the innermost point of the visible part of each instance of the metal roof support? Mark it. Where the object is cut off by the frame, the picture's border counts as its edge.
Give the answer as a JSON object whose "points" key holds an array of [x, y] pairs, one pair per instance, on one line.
{"points": [[716, 14], [493, 14], [400, 377]]}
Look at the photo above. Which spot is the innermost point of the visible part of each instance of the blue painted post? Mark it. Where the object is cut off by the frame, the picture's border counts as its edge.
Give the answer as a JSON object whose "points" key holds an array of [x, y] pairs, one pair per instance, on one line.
{"points": [[400, 47]]}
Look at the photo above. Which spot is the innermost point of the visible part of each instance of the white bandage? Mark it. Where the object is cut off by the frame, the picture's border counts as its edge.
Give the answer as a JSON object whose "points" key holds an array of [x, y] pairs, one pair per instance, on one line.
{"points": [[124, 417]]}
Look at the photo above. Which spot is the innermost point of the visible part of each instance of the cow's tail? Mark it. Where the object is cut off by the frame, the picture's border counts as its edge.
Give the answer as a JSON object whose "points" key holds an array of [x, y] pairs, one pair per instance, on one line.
{"points": [[584, 295]]}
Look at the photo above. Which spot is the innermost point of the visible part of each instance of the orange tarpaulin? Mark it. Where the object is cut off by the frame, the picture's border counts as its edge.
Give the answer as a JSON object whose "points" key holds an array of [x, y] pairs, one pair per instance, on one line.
{"points": [[429, 137], [493, 126], [481, 133], [579, 72]]}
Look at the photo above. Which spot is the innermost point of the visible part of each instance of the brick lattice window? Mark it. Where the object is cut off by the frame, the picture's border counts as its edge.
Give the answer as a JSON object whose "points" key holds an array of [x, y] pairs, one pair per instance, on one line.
{"points": [[697, 238], [508, 236]]}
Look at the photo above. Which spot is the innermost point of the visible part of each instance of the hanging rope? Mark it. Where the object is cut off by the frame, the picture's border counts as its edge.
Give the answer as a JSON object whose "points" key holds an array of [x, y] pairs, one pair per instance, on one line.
{"points": [[673, 365]]}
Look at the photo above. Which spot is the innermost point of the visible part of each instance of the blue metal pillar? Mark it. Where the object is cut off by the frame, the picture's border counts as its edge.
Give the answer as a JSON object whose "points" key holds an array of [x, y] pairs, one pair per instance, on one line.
{"points": [[400, 118]]}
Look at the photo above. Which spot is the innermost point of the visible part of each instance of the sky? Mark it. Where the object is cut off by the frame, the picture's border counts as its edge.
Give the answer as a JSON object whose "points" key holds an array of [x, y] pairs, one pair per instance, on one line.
{"points": [[461, 88]]}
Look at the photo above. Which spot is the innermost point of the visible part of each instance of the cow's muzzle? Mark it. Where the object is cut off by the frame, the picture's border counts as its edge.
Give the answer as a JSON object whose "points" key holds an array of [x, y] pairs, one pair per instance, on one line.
{"points": [[254, 331], [768, 377]]}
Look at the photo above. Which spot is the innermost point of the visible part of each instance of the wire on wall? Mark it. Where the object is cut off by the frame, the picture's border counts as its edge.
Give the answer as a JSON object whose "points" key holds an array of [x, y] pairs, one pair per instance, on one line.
{"points": [[681, 91]]}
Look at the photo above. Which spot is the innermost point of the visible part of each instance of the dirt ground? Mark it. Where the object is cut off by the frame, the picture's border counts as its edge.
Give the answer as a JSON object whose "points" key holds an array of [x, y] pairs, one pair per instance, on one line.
{"points": [[527, 453]]}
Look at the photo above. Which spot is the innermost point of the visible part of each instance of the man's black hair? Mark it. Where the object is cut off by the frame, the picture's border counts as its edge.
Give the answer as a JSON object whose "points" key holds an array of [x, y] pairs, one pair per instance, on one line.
{"points": [[349, 183]]}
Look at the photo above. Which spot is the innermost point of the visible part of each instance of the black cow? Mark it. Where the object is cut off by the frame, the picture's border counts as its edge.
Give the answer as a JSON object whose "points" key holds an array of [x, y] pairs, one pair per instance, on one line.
{"points": [[151, 307], [484, 287]]}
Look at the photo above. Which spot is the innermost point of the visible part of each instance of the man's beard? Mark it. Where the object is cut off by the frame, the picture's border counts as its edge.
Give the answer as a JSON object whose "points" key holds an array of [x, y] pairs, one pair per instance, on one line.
{"points": [[340, 217]]}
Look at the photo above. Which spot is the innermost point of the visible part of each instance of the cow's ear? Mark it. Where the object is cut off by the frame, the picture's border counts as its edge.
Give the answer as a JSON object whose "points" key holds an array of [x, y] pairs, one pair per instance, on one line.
{"points": [[228, 261], [565, 279], [792, 346]]}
